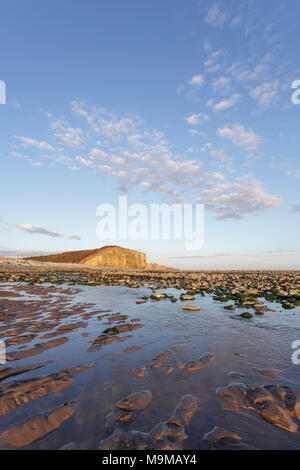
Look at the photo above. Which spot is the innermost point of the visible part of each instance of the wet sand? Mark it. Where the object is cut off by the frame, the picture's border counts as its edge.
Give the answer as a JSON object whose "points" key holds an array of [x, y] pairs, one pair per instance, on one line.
{"points": [[90, 366]]}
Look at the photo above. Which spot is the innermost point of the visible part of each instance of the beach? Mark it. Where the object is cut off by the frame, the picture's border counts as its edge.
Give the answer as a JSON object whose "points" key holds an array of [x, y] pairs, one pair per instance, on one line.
{"points": [[127, 359]]}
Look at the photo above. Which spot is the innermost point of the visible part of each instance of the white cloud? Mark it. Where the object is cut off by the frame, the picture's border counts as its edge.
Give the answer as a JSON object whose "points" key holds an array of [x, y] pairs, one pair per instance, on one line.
{"points": [[225, 103], [221, 83], [234, 200], [68, 135], [28, 142], [138, 158], [197, 80], [240, 137], [195, 119], [265, 93], [222, 157], [194, 132]]}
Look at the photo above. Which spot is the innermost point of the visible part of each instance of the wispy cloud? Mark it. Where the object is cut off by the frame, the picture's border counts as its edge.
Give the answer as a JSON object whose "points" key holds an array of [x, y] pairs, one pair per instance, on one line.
{"points": [[37, 229], [215, 16], [29, 142], [74, 237], [293, 173], [197, 80], [240, 137], [265, 93], [70, 136], [140, 159], [195, 119], [225, 103]]}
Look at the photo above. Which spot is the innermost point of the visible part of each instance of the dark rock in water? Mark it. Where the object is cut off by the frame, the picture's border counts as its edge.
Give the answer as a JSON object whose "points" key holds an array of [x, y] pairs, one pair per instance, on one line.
{"points": [[16, 393], [221, 435], [137, 401], [274, 403], [117, 418], [246, 315], [13, 371], [184, 411], [205, 361], [127, 410], [36, 428], [139, 371], [101, 341], [167, 435], [233, 397], [275, 414], [36, 349]]}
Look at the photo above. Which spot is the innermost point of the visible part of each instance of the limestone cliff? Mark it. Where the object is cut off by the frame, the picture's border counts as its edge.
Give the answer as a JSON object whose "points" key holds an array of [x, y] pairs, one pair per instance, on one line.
{"points": [[116, 257], [107, 256]]}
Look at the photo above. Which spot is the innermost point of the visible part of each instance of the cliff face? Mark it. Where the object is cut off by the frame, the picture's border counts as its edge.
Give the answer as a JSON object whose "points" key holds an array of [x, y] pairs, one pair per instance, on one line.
{"points": [[116, 257], [108, 256]]}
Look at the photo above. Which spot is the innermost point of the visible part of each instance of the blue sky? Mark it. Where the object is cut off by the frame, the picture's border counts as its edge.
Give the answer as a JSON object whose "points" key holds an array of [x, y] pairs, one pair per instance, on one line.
{"points": [[170, 101]]}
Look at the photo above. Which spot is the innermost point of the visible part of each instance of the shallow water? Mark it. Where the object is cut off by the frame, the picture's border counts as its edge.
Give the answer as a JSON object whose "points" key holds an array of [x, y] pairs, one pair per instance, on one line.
{"points": [[264, 341]]}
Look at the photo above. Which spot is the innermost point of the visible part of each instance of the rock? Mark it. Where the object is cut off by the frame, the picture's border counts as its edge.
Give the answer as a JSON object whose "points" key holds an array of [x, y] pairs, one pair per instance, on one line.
{"points": [[114, 318], [36, 428], [246, 315], [139, 371], [158, 296], [233, 397], [36, 349], [185, 297], [167, 435], [127, 410], [101, 341], [205, 361], [274, 403], [15, 394], [190, 308], [276, 415], [221, 434], [137, 401], [7, 372], [184, 411]]}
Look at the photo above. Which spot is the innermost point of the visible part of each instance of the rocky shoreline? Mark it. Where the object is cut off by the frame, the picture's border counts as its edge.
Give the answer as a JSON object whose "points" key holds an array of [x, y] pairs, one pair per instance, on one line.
{"points": [[41, 312]]}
